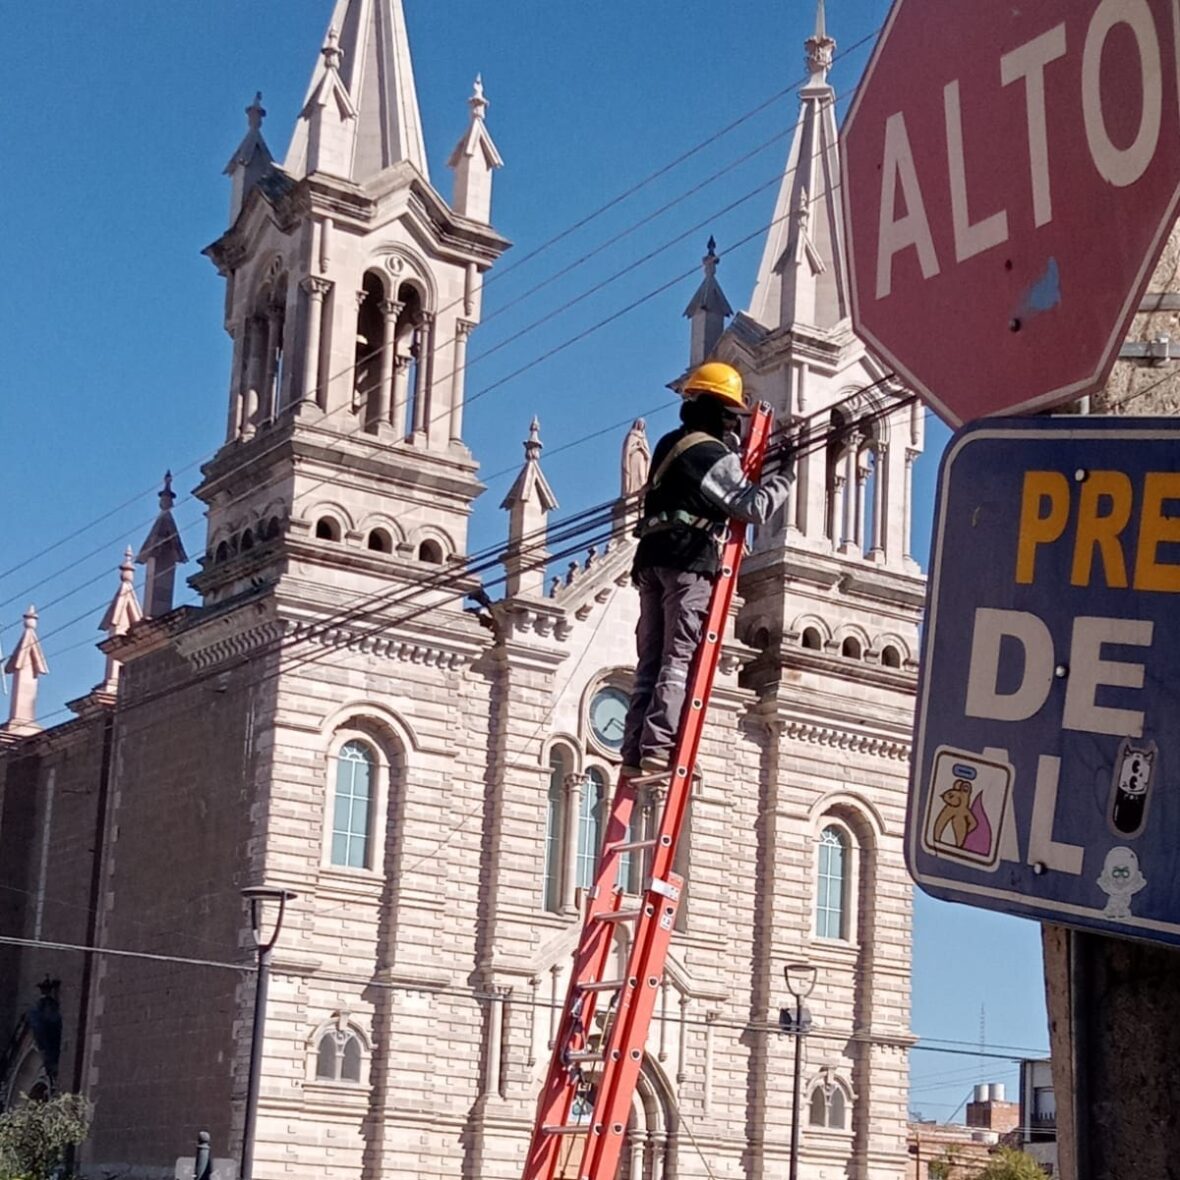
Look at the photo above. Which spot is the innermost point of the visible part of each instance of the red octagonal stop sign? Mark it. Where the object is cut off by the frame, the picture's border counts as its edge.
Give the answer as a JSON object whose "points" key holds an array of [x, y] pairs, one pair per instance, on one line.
{"points": [[1011, 170]]}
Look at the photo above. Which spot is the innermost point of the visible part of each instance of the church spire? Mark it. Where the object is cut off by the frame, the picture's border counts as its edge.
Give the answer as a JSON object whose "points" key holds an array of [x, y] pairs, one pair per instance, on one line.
{"points": [[251, 159], [802, 277], [473, 160], [361, 111], [26, 666], [708, 309], [123, 611], [529, 502], [162, 551]]}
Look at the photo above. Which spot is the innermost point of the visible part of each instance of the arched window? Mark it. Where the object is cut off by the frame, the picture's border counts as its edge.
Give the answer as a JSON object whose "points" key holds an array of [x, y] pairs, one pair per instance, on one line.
{"points": [[817, 1108], [352, 816], [326, 529], [273, 528], [850, 648], [339, 1056], [222, 553], [430, 552], [590, 818], [812, 639], [560, 766], [380, 541], [831, 896], [247, 540], [890, 657], [828, 1106], [370, 345]]}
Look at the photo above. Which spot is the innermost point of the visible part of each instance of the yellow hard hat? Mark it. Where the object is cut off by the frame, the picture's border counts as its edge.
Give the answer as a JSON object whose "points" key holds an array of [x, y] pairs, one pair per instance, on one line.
{"points": [[720, 380]]}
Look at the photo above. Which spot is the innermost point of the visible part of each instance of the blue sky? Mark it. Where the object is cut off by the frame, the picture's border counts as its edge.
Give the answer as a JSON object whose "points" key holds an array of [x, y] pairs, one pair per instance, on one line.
{"points": [[119, 121]]}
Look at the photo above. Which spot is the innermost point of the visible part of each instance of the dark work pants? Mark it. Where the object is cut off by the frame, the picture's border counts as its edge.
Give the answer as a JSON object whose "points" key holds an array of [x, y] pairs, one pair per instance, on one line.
{"points": [[672, 608]]}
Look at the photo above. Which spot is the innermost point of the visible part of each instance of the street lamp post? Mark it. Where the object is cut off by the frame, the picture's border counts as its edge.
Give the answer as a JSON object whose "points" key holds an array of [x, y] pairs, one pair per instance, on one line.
{"points": [[256, 895], [800, 979]]}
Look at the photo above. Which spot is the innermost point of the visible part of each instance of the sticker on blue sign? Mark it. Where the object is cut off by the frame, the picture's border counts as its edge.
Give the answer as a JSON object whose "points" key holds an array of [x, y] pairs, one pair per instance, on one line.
{"points": [[967, 807]]}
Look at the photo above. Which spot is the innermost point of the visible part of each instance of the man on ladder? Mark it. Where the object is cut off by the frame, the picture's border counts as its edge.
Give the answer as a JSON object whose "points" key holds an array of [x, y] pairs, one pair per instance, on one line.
{"points": [[695, 487]]}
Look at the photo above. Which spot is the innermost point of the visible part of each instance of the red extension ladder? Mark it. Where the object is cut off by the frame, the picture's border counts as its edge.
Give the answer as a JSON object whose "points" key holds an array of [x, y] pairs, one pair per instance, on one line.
{"points": [[596, 1064]]}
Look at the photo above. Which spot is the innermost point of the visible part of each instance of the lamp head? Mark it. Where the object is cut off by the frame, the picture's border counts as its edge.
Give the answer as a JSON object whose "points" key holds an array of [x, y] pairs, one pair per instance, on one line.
{"points": [[800, 979]]}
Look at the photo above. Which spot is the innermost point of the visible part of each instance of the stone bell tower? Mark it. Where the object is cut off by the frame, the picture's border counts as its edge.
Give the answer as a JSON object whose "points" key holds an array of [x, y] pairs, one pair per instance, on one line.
{"points": [[352, 290]]}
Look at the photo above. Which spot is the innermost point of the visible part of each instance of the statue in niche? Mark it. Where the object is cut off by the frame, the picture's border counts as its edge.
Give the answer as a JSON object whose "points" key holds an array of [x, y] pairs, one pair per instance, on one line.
{"points": [[636, 458]]}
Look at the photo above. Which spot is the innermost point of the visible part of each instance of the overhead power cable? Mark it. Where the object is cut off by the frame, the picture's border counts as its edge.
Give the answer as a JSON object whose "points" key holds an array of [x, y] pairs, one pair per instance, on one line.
{"points": [[373, 604], [501, 272]]}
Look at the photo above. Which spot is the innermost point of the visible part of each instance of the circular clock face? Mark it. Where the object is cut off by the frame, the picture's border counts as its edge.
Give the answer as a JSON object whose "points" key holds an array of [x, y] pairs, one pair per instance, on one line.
{"points": [[608, 710]]}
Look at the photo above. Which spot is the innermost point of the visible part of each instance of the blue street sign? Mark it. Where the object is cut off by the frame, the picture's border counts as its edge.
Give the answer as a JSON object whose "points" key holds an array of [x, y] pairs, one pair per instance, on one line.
{"points": [[1045, 778]]}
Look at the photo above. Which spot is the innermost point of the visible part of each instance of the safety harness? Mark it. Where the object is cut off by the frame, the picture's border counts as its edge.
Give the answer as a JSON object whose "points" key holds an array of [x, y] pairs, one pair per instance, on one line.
{"points": [[674, 516]]}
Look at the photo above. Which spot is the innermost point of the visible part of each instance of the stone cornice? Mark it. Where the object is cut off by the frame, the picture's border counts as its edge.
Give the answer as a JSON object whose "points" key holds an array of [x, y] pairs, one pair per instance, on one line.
{"points": [[843, 738], [431, 650], [225, 638], [302, 444]]}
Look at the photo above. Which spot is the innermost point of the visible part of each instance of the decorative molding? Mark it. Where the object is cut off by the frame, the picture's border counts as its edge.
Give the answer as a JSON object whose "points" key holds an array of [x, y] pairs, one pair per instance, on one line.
{"points": [[845, 739], [423, 652], [205, 650]]}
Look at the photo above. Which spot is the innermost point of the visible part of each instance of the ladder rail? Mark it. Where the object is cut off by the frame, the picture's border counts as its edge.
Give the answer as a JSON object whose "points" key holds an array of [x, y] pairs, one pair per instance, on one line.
{"points": [[626, 1034], [594, 949]]}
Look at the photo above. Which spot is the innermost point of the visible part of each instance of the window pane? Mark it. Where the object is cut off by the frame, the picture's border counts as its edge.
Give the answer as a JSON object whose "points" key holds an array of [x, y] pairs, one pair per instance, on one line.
{"points": [[351, 814], [817, 1112], [325, 1059], [836, 1109], [554, 824], [350, 1061], [831, 893], [589, 826]]}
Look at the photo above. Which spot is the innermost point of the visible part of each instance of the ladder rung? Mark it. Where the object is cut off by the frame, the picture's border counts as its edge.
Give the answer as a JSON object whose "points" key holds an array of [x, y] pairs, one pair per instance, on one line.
{"points": [[632, 846], [601, 985], [619, 915], [573, 1055], [565, 1128]]}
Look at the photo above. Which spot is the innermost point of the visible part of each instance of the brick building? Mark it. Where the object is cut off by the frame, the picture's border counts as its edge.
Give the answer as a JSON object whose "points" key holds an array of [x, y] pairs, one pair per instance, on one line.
{"points": [[429, 777]]}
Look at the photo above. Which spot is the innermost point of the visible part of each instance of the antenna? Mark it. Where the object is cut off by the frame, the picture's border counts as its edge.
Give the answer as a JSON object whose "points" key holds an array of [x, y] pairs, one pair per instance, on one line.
{"points": [[982, 1043]]}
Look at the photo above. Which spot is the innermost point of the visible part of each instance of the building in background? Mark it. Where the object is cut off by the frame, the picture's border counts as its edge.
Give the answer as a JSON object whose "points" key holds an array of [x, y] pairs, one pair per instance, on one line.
{"points": [[419, 740], [947, 1151], [1038, 1113]]}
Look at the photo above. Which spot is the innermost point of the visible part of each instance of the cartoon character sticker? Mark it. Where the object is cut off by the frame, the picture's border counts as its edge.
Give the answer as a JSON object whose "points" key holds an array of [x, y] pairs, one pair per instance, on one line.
{"points": [[1130, 788], [1120, 881], [966, 807]]}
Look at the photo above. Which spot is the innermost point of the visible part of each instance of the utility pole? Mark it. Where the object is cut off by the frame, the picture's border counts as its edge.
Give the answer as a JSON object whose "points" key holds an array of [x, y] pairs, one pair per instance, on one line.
{"points": [[256, 895], [800, 979]]}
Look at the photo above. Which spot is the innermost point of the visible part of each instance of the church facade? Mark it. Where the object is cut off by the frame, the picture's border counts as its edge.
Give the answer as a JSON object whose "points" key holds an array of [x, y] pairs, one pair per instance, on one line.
{"points": [[418, 741]]}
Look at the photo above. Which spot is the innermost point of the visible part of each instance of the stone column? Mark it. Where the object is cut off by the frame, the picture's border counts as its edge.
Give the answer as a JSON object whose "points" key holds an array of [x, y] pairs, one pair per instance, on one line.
{"points": [[908, 505], [316, 290], [459, 377], [235, 421], [423, 375], [635, 1143], [383, 393], [880, 484], [401, 393], [659, 1153], [862, 479], [836, 512], [255, 359], [358, 396], [575, 784], [270, 380], [848, 529], [495, 1041]]}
